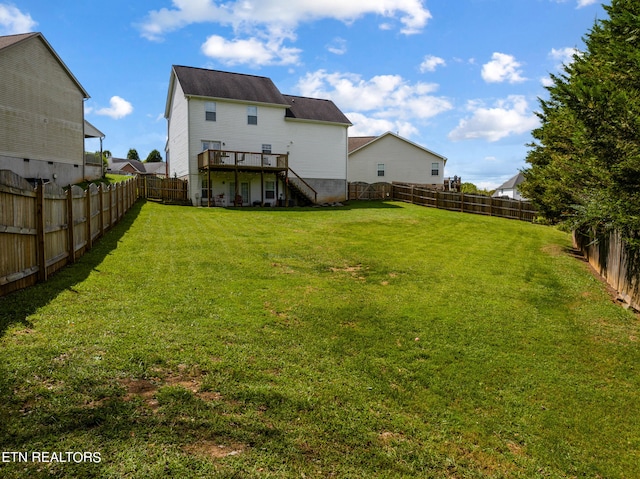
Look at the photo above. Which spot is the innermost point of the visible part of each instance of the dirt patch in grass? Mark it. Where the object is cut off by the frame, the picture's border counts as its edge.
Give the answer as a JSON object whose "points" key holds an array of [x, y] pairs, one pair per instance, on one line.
{"points": [[146, 389], [354, 271], [213, 449]]}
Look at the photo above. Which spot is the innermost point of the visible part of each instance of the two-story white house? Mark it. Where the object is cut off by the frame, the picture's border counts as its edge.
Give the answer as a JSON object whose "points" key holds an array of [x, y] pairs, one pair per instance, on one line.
{"points": [[391, 158], [42, 126], [240, 141]]}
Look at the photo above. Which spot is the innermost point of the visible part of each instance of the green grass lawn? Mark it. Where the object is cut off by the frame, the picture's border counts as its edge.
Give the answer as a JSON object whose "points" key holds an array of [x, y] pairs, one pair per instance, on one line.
{"points": [[377, 340]]}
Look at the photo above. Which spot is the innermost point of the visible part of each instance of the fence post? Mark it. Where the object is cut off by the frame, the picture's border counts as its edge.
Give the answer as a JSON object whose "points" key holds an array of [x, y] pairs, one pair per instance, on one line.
{"points": [[40, 232], [88, 208], [71, 227], [101, 196], [462, 202]]}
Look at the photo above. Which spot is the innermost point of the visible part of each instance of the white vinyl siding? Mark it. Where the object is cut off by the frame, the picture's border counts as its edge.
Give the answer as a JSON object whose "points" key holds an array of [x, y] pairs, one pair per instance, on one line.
{"points": [[404, 162]]}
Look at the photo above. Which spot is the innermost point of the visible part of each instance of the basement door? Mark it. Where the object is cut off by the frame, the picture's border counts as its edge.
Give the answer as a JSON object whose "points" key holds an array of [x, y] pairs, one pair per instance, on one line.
{"points": [[242, 191]]}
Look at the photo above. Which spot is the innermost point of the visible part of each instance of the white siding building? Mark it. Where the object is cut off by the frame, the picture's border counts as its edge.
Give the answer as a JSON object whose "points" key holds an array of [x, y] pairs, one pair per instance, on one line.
{"points": [[42, 127], [389, 157], [237, 139]]}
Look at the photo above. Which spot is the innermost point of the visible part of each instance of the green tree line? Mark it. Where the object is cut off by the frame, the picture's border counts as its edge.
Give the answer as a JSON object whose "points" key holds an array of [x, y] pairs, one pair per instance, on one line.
{"points": [[584, 163]]}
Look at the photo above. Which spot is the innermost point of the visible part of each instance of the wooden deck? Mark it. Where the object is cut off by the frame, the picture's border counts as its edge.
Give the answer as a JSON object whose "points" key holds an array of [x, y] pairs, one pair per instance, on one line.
{"points": [[224, 160]]}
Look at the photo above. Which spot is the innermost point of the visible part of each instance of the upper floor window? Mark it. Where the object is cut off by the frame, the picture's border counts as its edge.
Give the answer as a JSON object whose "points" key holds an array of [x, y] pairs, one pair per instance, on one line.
{"points": [[266, 149], [435, 169], [210, 111], [252, 115], [380, 169]]}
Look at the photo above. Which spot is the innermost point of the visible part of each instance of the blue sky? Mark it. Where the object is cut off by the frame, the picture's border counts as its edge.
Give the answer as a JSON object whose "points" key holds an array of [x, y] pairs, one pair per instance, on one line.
{"points": [[461, 77]]}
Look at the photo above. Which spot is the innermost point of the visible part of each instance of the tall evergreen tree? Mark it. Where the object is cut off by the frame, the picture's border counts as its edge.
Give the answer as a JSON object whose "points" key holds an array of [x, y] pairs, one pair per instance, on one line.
{"points": [[585, 162], [153, 157], [132, 154]]}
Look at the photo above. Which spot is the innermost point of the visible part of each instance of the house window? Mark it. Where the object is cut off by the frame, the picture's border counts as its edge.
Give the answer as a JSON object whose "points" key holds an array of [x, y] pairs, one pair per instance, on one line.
{"points": [[435, 169], [210, 111], [211, 145], [252, 115], [380, 169], [270, 190], [266, 149]]}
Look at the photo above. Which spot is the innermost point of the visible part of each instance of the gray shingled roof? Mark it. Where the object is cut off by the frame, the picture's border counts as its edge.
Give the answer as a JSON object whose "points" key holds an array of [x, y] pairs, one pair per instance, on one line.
{"points": [[11, 39], [511, 183], [315, 109], [232, 86], [356, 142]]}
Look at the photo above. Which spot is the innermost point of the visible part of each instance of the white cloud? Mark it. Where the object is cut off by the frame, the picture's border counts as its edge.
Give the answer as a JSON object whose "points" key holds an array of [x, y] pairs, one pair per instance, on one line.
{"points": [[364, 125], [581, 3], [13, 21], [119, 108], [387, 95], [338, 46], [564, 55], [379, 104], [510, 116], [246, 15], [430, 63], [501, 68], [252, 51]]}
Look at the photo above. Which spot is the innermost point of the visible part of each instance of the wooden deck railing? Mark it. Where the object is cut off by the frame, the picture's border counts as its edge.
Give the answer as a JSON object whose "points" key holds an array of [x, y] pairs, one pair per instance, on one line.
{"points": [[225, 159]]}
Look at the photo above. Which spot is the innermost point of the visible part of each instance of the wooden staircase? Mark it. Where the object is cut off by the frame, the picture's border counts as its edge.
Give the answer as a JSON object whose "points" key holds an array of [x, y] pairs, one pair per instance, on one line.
{"points": [[303, 191]]}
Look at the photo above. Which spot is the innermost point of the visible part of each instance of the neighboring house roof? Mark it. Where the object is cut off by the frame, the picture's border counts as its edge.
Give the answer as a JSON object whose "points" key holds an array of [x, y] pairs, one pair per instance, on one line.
{"points": [[512, 183], [154, 167], [361, 142], [11, 40], [314, 109], [225, 85], [356, 142], [91, 131]]}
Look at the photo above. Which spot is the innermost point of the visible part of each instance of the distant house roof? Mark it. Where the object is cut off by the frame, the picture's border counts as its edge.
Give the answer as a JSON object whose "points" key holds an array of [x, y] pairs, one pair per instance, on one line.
{"points": [[216, 84], [315, 109], [11, 40], [226, 85], [358, 142], [149, 168], [511, 183], [155, 167]]}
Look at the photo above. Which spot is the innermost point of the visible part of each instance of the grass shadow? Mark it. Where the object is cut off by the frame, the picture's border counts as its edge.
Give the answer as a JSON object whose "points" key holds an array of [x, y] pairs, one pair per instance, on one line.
{"points": [[17, 306]]}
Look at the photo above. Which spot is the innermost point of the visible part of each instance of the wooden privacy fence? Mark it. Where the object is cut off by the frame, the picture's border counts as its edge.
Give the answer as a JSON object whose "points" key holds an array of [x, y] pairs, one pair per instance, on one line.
{"points": [[44, 228], [612, 258], [370, 191], [168, 190], [457, 201]]}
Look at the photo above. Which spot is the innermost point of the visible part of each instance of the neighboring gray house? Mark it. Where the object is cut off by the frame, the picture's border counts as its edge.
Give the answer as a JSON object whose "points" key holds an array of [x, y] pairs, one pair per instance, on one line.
{"points": [[510, 188], [237, 138], [390, 157], [123, 166], [42, 126]]}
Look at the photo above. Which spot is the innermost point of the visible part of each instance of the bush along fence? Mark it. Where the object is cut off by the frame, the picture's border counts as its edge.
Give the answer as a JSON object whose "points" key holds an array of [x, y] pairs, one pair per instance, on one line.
{"points": [[615, 261], [42, 229], [447, 200]]}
